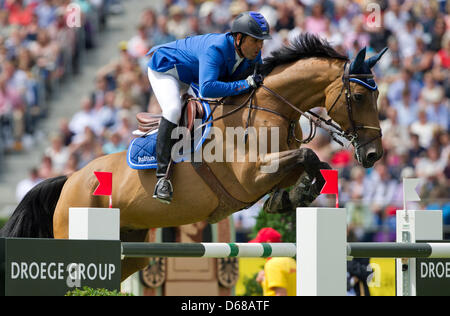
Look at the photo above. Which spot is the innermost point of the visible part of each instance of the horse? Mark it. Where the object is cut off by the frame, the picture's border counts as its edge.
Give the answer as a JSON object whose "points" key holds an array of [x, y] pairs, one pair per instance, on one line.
{"points": [[306, 74]]}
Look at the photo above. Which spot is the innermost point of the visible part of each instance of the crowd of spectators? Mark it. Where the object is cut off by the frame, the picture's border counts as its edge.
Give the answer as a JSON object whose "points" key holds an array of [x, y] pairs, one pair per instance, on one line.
{"points": [[414, 84], [413, 80], [41, 44]]}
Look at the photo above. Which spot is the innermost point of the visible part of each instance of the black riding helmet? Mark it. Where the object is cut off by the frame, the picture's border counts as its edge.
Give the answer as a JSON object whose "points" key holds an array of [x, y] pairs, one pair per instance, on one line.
{"points": [[252, 24]]}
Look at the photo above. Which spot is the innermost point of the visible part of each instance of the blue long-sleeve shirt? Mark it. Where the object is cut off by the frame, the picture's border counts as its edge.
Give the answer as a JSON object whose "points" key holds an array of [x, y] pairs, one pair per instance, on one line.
{"points": [[207, 60]]}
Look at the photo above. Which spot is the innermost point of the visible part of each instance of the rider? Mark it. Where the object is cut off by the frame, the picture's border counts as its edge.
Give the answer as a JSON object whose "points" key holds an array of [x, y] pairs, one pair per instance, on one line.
{"points": [[208, 60]]}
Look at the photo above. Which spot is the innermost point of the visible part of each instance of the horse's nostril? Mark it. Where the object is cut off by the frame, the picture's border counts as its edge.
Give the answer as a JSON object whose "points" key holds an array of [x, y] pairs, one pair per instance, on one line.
{"points": [[372, 157]]}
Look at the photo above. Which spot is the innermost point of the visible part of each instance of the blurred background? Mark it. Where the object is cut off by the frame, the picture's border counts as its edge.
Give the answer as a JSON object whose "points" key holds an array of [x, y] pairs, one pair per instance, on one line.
{"points": [[70, 88]]}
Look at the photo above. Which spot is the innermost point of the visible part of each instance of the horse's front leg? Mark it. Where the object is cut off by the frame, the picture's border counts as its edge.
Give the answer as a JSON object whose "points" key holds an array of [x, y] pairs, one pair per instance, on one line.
{"points": [[305, 190], [271, 169]]}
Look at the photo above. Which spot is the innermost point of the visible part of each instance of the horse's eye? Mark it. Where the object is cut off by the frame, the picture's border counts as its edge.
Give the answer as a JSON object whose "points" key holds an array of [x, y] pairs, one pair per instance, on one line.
{"points": [[358, 97]]}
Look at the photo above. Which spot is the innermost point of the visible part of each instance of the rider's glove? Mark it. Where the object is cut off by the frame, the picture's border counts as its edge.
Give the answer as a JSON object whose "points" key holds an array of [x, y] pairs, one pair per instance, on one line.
{"points": [[255, 80]]}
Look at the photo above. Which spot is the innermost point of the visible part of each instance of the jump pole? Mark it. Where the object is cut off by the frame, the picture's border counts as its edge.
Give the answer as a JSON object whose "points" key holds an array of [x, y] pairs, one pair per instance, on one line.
{"points": [[208, 250]]}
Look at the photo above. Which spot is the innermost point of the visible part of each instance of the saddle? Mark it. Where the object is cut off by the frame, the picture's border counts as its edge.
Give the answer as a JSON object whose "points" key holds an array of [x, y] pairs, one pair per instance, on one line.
{"points": [[192, 109]]}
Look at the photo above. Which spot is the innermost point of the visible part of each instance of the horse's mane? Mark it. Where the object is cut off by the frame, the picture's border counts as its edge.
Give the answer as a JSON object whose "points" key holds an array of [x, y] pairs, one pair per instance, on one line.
{"points": [[304, 46]]}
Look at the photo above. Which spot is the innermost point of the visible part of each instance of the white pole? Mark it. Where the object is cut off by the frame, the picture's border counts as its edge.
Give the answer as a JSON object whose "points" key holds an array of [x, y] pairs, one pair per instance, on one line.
{"points": [[321, 252]]}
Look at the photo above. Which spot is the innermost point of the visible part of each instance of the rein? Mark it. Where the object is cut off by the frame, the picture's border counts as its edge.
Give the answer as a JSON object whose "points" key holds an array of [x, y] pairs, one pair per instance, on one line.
{"points": [[315, 120]]}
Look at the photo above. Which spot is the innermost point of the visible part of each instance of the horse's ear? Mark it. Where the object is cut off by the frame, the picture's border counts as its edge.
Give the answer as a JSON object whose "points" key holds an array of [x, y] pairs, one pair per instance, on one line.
{"points": [[374, 59], [358, 63]]}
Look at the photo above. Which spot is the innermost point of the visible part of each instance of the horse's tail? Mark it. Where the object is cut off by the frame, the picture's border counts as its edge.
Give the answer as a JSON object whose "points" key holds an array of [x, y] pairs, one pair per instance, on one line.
{"points": [[33, 217]]}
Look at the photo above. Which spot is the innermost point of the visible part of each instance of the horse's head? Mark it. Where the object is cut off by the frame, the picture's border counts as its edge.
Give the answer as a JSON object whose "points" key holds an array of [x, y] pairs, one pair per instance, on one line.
{"points": [[351, 101]]}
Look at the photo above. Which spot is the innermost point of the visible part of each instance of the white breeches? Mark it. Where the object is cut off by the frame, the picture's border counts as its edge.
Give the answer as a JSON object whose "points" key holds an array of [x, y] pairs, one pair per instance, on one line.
{"points": [[168, 90]]}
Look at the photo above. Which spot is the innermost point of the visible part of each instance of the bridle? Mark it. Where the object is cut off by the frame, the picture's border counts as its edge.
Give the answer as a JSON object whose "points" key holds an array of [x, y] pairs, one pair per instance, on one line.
{"points": [[315, 120], [352, 135]]}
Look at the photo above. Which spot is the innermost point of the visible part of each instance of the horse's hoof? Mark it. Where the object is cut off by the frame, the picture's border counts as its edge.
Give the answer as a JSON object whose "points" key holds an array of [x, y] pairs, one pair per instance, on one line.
{"points": [[278, 203]]}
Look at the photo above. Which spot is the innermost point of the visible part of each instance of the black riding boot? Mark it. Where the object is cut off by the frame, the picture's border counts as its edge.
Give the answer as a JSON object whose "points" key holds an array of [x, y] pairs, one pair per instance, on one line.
{"points": [[164, 143]]}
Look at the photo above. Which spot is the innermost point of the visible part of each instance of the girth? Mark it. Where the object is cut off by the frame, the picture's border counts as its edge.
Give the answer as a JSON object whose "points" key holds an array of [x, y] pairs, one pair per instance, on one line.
{"points": [[227, 203]]}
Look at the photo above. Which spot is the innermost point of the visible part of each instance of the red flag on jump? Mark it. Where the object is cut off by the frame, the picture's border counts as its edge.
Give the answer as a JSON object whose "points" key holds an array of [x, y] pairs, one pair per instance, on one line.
{"points": [[331, 183], [105, 183]]}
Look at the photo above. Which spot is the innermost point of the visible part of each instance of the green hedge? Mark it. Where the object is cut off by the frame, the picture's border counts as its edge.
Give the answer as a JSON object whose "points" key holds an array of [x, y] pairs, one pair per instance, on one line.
{"points": [[285, 224], [252, 287], [87, 291]]}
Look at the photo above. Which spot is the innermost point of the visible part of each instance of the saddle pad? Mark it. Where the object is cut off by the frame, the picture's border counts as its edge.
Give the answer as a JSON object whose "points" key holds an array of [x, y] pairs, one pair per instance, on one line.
{"points": [[141, 153]]}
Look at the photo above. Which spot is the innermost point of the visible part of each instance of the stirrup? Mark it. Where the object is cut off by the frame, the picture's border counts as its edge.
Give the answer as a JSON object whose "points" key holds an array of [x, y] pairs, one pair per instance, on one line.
{"points": [[162, 196]]}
